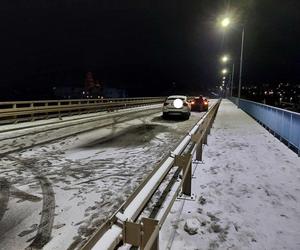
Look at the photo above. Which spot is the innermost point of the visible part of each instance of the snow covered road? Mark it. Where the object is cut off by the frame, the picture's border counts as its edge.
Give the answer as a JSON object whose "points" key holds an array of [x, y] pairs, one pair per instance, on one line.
{"points": [[55, 195], [247, 191]]}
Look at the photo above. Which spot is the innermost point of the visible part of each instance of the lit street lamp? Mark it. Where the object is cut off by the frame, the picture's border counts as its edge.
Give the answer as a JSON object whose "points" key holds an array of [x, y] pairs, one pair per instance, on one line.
{"points": [[224, 59], [224, 71], [225, 23]]}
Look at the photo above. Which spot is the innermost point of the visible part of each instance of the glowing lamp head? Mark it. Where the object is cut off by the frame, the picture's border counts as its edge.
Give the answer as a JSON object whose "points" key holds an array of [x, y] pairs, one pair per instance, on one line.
{"points": [[225, 22], [224, 71], [224, 59], [178, 103]]}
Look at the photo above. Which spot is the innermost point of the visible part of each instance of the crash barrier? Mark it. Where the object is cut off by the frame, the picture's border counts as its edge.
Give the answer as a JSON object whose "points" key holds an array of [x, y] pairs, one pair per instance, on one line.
{"points": [[283, 123], [125, 225], [14, 112]]}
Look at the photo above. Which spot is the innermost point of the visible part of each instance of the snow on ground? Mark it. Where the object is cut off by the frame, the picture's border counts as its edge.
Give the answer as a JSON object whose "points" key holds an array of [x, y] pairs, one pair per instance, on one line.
{"points": [[61, 192], [16, 137], [247, 191]]}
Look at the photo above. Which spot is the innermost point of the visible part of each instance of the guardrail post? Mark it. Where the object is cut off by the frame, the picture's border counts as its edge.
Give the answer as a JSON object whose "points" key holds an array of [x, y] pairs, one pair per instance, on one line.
{"points": [[197, 138], [199, 152], [139, 234], [148, 226], [185, 162], [32, 114], [132, 233], [205, 137]]}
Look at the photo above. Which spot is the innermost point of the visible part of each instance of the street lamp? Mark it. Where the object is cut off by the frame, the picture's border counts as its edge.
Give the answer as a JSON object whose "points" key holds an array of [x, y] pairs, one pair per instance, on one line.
{"points": [[241, 66], [224, 71], [224, 59], [225, 23]]}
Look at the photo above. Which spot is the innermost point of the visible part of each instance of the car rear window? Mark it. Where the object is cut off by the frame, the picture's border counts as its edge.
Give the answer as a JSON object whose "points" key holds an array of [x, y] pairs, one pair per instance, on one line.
{"points": [[172, 99]]}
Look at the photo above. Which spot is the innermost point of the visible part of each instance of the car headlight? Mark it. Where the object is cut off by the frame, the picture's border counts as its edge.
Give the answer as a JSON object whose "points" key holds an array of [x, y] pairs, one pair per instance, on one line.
{"points": [[178, 103]]}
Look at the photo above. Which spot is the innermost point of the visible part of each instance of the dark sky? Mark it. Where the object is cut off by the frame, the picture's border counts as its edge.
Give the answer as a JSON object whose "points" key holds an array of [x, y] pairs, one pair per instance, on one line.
{"points": [[144, 46]]}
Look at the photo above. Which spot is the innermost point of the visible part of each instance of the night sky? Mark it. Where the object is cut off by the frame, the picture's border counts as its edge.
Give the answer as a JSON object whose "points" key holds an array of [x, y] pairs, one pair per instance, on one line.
{"points": [[146, 47]]}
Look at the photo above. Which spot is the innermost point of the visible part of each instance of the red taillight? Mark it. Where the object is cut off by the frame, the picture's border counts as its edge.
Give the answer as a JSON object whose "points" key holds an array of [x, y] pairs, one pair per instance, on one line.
{"points": [[192, 102], [205, 103]]}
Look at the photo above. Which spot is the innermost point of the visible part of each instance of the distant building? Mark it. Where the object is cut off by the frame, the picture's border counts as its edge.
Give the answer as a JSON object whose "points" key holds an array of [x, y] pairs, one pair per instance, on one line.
{"points": [[114, 93]]}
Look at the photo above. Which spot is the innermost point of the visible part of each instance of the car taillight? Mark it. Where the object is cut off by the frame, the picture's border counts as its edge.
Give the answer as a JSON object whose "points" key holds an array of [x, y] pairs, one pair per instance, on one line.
{"points": [[205, 103], [193, 102]]}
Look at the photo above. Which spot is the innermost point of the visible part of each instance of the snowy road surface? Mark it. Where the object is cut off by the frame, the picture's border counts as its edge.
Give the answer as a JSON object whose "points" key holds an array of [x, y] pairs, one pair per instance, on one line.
{"points": [[55, 195], [247, 192]]}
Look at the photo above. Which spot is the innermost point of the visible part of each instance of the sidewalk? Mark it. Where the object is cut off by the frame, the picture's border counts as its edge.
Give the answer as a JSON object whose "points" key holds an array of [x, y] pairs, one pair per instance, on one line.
{"points": [[247, 191]]}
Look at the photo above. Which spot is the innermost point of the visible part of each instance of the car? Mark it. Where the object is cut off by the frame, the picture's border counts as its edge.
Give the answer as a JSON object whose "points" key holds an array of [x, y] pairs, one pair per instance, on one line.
{"points": [[177, 105], [199, 104]]}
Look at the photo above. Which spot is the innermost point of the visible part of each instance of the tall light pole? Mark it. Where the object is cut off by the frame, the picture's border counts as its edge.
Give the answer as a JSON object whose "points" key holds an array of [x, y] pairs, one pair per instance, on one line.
{"points": [[225, 22], [232, 77], [241, 66]]}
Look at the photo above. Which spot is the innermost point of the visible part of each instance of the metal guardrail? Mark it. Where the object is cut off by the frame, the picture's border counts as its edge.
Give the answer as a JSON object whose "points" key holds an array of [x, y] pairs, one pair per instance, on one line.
{"points": [[13, 112], [284, 123], [123, 226]]}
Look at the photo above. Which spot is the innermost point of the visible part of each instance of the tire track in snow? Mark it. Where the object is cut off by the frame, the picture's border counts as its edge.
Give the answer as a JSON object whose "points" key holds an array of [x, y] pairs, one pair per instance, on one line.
{"points": [[43, 235], [4, 196]]}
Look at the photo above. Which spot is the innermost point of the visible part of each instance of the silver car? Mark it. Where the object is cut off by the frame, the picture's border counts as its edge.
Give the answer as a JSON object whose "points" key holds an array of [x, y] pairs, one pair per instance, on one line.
{"points": [[177, 105]]}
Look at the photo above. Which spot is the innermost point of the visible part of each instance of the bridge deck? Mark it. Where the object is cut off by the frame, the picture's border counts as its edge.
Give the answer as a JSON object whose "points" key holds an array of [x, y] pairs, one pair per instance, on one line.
{"points": [[247, 191]]}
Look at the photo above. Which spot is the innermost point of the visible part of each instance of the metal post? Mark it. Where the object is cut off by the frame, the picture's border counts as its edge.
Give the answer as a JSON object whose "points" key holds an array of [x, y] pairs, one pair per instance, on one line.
{"points": [[149, 226], [241, 67], [232, 77], [185, 163], [199, 152]]}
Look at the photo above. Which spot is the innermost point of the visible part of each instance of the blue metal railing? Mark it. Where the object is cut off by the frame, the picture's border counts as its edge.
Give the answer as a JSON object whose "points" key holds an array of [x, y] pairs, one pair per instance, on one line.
{"points": [[286, 124]]}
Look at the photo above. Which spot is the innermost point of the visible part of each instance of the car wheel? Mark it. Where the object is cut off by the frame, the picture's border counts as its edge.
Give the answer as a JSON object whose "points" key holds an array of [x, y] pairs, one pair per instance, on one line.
{"points": [[186, 116]]}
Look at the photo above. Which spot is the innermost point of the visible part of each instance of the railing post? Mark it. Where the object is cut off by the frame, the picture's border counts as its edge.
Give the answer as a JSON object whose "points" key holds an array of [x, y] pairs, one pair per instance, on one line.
{"points": [[205, 137], [132, 233], [199, 152], [290, 128], [185, 163], [142, 234], [32, 114], [59, 114], [197, 138], [148, 227]]}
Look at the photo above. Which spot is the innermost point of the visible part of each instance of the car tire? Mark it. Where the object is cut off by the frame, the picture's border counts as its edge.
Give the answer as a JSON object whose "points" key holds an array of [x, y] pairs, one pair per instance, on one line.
{"points": [[186, 116]]}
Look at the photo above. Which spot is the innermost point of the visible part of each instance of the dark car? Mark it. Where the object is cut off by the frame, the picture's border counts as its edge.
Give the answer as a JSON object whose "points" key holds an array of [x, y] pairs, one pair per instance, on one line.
{"points": [[199, 104]]}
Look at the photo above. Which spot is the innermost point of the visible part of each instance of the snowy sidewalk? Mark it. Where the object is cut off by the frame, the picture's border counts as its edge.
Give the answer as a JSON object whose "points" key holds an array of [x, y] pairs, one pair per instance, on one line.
{"points": [[247, 191]]}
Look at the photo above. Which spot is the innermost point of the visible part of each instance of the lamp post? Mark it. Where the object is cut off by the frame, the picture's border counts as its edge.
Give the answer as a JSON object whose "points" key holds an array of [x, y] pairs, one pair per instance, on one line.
{"points": [[241, 66], [232, 77], [224, 24]]}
